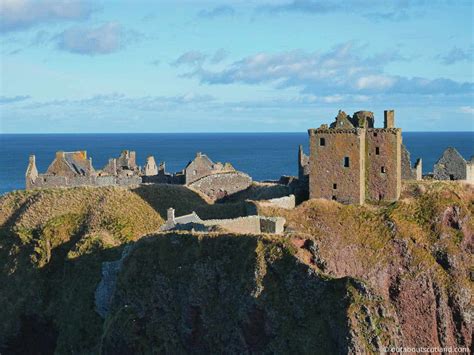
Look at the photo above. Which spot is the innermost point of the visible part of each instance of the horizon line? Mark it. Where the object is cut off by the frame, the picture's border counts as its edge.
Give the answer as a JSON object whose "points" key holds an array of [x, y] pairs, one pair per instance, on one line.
{"points": [[202, 132]]}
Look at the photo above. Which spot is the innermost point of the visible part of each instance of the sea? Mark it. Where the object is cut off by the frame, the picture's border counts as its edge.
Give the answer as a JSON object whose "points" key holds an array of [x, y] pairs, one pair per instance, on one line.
{"points": [[264, 156]]}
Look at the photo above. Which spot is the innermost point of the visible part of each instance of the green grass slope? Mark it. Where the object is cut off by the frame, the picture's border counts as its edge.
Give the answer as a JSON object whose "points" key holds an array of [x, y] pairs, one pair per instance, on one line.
{"points": [[52, 244]]}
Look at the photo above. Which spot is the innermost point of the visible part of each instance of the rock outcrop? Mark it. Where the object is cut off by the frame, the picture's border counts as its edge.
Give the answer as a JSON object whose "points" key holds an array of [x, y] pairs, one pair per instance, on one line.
{"points": [[344, 279]]}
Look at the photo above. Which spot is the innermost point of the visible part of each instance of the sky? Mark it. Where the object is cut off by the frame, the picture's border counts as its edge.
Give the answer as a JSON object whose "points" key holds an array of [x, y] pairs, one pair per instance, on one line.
{"points": [[238, 66]]}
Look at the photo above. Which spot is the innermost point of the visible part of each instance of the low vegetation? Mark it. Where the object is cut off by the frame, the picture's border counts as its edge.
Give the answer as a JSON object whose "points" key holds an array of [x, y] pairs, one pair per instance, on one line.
{"points": [[343, 279]]}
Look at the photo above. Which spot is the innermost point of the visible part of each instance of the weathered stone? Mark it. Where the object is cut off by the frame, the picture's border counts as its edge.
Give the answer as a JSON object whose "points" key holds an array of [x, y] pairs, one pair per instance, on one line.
{"points": [[450, 166], [220, 185], [407, 172], [351, 164], [249, 224]]}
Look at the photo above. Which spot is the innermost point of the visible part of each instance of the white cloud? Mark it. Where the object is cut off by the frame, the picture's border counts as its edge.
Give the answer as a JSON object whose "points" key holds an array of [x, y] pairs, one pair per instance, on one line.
{"points": [[467, 109], [375, 82], [343, 70], [190, 58], [22, 14], [107, 38]]}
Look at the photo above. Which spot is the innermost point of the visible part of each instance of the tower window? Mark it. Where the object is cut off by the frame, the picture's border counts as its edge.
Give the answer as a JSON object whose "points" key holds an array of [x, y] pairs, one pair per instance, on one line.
{"points": [[346, 162], [377, 150], [322, 142], [383, 170], [334, 198], [334, 186], [375, 134]]}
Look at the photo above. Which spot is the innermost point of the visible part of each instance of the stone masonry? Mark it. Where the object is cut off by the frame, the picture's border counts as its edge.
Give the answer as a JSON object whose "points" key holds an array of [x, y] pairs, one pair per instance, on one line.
{"points": [[71, 169], [242, 225], [452, 166], [351, 161]]}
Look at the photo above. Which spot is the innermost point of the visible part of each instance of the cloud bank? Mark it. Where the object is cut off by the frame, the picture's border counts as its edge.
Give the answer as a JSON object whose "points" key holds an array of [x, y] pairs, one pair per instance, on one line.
{"points": [[219, 11], [12, 99], [104, 39], [19, 15], [342, 70]]}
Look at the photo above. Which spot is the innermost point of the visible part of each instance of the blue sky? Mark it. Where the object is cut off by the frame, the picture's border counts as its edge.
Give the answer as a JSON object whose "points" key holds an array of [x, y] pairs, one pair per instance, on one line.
{"points": [[214, 66]]}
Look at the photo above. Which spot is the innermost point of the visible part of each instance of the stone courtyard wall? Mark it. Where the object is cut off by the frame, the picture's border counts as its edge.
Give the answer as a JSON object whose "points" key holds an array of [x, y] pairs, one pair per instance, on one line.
{"points": [[286, 202], [250, 224], [221, 185], [53, 181]]}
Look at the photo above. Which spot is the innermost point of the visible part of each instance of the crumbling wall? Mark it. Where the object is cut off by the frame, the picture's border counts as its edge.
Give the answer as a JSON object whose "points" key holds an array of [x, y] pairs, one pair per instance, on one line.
{"points": [[303, 164], [330, 151], [249, 224], [383, 164], [218, 186], [407, 172], [54, 181], [450, 166], [199, 167], [286, 202], [419, 169], [470, 170]]}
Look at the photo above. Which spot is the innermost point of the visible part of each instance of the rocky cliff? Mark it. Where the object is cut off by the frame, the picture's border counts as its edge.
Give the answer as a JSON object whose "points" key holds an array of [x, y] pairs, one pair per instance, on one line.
{"points": [[343, 279]]}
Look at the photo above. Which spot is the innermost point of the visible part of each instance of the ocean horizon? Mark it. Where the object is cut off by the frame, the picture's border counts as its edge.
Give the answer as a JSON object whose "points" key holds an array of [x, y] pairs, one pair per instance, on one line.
{"points": [[263, 155]]}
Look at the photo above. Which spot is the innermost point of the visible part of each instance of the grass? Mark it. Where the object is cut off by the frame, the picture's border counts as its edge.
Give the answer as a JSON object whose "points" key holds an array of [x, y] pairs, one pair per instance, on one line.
{"points": [[53, 243]]}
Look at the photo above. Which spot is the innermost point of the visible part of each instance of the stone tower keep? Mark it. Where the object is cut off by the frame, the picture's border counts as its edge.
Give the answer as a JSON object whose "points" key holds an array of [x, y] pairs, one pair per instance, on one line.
{"points": [[352, 162]]}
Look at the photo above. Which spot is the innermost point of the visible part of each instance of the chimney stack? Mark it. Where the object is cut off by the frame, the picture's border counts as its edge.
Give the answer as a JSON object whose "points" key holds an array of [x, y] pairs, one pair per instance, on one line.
{"points": [[170, 215], [389, 119]]}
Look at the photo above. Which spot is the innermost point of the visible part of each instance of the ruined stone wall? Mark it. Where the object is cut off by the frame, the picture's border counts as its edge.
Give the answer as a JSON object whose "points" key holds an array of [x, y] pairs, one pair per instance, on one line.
{"points": [[383, 164], [451, 166], [286, 202], [53, 181], [218, 186], [408, 173], [60, 167], [199, 167], [329, 178], [250, 224], [303, 164], [470, 171]]}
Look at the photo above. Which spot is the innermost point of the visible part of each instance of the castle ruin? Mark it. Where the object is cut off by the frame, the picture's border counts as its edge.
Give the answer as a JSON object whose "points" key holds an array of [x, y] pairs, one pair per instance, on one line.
{"points": [[71, 169], [452, 166], [352, 162]]}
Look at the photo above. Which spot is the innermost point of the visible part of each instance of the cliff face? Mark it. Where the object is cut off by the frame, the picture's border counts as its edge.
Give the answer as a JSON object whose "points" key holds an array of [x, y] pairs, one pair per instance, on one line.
{"points": [[345, 279], [415, 254]]}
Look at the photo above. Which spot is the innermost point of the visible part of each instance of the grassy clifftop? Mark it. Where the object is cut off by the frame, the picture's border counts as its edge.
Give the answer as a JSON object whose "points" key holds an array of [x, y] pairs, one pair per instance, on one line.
{"points": [[345, 278], [52, 244]]}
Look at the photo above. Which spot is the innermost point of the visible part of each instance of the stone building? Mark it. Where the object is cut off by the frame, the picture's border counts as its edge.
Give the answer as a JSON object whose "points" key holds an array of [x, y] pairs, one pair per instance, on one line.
{"points": [[216, 180], [124, 165], [71, 169], [351, 161], [150, 168], [202, 166], [452, 166]]}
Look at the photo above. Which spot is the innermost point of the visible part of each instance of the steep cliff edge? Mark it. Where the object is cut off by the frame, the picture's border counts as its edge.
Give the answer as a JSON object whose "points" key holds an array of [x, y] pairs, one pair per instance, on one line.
{"points": [[344, 279]]}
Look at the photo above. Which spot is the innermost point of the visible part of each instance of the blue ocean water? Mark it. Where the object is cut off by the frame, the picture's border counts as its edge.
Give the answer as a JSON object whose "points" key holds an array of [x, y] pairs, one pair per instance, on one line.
{"points": [[262, 155]]}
